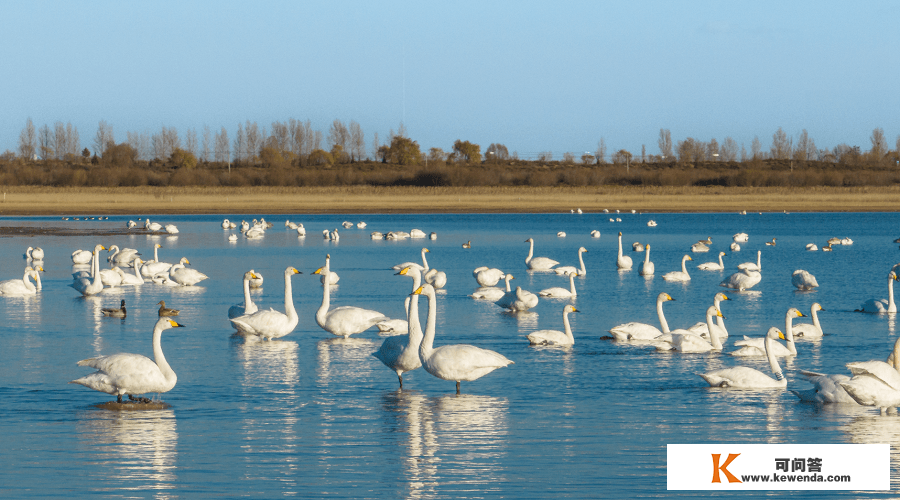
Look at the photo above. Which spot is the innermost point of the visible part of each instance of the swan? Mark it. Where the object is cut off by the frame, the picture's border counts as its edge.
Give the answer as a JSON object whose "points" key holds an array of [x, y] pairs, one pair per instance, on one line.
{"points": [[22, 286], [123, 257], [488, 276], [272, 324], [753, 266], [811, 247], [637, 247], [555, 337], [742, 377], [301, 231], [846, 241], [432, 236], [647, 267], [679, 275], [454, 362], [254, 233], [131, 224], [132, 279], [395, 326], [335, 235], [735, 247], [421, 267], [622, 261], [152, 226], [771, 243], [171, 229], [702, 329], [699, 247], [713, 266], [400, 353], [875, 383], [826, 389], [559, 292], [126, 373], [151, 269], [561, 234], [643, 331], [330, 277], [688, 341], [164, 279], [651, 223], [116, 313], [595, 234], [377, 235], [93, 285], [741, 238], [227, 224], [81, 256], [537, 263], [245, 226], [435, 278], [881, 305], [493, 294], [807, 329], [756, 346], [803, 280], [518, 300], [417, 233], [247, 307], [110, 277], [232, 237], [184, 276], [743, 280], [34, 253], [290, 225], [826, 248], [563, 270], [345, 320], [347, 224], [361, 225]]}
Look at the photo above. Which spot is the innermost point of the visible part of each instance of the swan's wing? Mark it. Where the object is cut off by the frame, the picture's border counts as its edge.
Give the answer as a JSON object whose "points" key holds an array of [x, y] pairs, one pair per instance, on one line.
{"points": [[352, 319], [393, 326], [121, 365], [635, 331], [741, 377], [465, 362], [391, 349], [548, 337], [878, 369], [262, 322]]}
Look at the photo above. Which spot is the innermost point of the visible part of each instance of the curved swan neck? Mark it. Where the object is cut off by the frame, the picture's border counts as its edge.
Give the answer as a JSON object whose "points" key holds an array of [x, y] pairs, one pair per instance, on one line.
{"points": [[568, 327], [683, 264], [415, 326], [581, 261], [289, 296], [773, 361], [721, 264], [508, 289], [572, 283], [891, 306], [662, 317], [428, 340], [247, 300], [158, 355], [530, 250], [424, 260], [815, 316], [789, 333], [713, 333]]}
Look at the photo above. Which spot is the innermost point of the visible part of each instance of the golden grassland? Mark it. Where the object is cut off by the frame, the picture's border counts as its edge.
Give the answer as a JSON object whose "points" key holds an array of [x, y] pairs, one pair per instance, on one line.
{"points": [[32, 200]]}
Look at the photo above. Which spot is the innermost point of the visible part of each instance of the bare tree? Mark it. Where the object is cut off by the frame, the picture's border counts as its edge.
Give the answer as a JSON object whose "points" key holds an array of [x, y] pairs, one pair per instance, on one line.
{"points": [[240, 144], [643, 153], [496, 152], [601, 151], [665, 143], [281, 137], [207, 144], [357, 142], [729, 149], [801, 150], [879, 145], [317, 139], [222, 154], [62, 142], [756, 148], [568, 158], [811, 152], [254, 141], [103, 138], [376, 145], [712, 149], [46, 144], [780, 150], [190, 141], [27, 141], [744, 156]]}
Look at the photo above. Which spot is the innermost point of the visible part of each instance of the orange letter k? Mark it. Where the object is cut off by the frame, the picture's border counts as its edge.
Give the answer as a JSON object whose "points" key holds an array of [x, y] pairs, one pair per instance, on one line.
{"points": [[716, 468]]}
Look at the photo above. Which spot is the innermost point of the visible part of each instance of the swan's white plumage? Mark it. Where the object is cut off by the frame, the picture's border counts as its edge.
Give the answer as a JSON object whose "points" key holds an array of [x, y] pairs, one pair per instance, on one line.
{"points": [[559, 292], [399, 353], [753, 266], [743, 280], [813, 330], [537, 263], [742, 377], [642, 331], [346, 320], [713, 266], [622, 261], [488, 276], [803, 280], [272, 324], [491, 293], [555, 337], [757, 346], [882, 305], [248, 306], [563, 270], [647, 267], [679, 275]]}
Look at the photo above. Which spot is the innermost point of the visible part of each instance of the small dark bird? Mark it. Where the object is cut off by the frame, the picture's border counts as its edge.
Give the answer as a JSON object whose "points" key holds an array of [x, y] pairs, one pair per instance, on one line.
{"points": [[115, 313], [467, 244], [165, 311]]}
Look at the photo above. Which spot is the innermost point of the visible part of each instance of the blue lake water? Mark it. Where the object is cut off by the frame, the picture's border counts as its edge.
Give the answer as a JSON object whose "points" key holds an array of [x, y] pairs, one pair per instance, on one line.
{"points": [[312, 415]]}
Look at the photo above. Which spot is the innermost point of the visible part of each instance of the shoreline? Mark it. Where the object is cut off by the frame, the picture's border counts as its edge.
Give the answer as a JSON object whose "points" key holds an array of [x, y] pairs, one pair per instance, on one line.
{"points": [[28, 200]]}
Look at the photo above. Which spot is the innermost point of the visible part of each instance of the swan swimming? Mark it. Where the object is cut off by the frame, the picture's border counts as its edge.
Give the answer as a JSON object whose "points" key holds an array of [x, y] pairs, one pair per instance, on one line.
{"points": [[803, 280], [345, 320], [743, 280], [702, 329], [713, 266], [687, 341], [756, 346], [94, 285], [272, 324], [643, 331], [491, 293], [742, 377], [18, 287], [537, 263], [559, 292], [247, 307], [488, 276], [753, 266], [564, 270], [808, 330], [518, 300], [647, 267], [555, 337], [875, 383], [679, 275], [881, 305], [622, 261]]}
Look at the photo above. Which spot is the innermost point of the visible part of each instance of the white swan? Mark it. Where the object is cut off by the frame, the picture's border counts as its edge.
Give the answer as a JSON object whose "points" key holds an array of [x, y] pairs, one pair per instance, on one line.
{"points": [[423, 267], [702, 329], [330, 277], [301, 231], [22, 286], [647, 267], [110, 277], [417, 233], [699, 247], [126, 373], [518, 300], [811, 247], [622, 261], [637, 247], [454, 362], [561, 234], [152, 226], [735, 247], [595, 234], [345, 320], [184, 276], [881, 305], [227, 224], [679, 275], [743, 280], [741, 237], [247, 307], [875, 383], [361, 225], [81, 256], [643, 331], [826, 389], [34, 253], [803, 280], [682, 340], [757, 346], [435, 278], [808, 330], [559, 292], [846, 241], [555, 337], [400, 353], [742, 377], [488, 276], [537, 263], [272, 324], [123, 257], [713, 266], [92, 285], [753, 266], [651, 223], [563, 270], [132, 279], [171, 229], [493, 294]]}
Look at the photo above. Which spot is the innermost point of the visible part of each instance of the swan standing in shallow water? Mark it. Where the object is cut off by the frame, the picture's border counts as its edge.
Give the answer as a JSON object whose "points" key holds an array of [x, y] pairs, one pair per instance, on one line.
{"points": [[400, 353], [713, 266], [247, 307], [537, 263], [808, 330], [272, 324], [92, 285], [622, 261], [563, 270], [752, 266], [881, 305], [803, 280], [643, 331], [344, 321], [559, 292], [454, 362], [679, 275], [555, 337], [647, 267], [742, 377], [127, 374]]}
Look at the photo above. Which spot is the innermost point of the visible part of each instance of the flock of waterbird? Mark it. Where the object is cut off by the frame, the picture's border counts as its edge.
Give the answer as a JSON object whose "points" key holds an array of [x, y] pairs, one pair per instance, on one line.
{"points": [[408, 346]]}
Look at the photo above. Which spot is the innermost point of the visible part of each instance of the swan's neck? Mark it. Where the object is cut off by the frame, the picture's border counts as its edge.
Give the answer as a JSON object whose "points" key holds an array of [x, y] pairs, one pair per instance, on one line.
{"points": [[892, 308], [37, 280], [160, 359], [27, 281], [428, 340], [568, 327], [815, 317], [326, 299], [620, 245], [647, 256], [531, 251], [713, 333], [572, 283], [508, 289], [155, 252], [137, 270], [662, 317], [789, 334], [289, 299], [247, 300], [424, 261], [581, 260], [759, 260], [415, 327], [773, 361], [721, 264], [683, 266]]}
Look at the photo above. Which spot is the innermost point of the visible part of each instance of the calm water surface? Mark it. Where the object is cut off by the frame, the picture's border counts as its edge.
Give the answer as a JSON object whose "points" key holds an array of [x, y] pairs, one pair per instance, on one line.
{"points": [[311, 415]]}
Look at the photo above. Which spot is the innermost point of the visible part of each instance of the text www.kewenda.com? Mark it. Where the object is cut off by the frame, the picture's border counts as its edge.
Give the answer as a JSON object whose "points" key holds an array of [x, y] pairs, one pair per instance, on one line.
{"points": [[794, 478]]}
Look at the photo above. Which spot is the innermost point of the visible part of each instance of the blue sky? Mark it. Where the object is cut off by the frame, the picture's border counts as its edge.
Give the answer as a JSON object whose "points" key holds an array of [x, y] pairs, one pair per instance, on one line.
{"points": [[534, 76]]}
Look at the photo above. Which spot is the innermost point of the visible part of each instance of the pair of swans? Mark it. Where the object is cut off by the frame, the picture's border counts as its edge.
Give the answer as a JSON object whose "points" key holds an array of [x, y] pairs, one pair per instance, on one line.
{"points": [[679, 275], [227, 224], [20, 287], [563, 270], [493, 294], [689, 341], [881, 305], [803, 280], [622, 261], [518, 300], [94, 284], [555, 337], [248, 306], [399, 353], [122, 257], [457, 362], [647, 267], [538, 263], [757, 346], [559, 292], [127, 374], [34, 253], [272, 324], [713, 266], [345, 320], [742, 377]]}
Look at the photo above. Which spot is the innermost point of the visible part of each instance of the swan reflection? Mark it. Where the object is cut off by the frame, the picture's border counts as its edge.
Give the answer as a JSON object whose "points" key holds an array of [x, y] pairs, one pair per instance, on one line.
{"points": [[344, 360], [138, 448], [267, 362]]}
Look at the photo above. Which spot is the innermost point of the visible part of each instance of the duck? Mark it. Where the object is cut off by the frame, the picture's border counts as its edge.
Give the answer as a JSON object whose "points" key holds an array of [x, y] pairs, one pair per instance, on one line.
{"points": [[115, 313], [467, 245], [165, 311], [771, 243]]}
